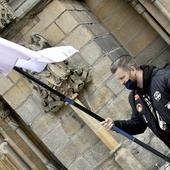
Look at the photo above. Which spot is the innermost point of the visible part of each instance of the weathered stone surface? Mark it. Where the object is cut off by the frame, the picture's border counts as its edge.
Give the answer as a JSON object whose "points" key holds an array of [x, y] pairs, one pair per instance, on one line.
{"points": [[28, 111], [140, 45], [114, 85], [99, 98], [79, 37], [55, 8], [15, 97], [56, 138], [100, 71], [5, 84], [53, 31], [67, 22], [116, 19], [91, 53], [74, 148], [127, 161], [97, 154], [104, 9], [81, 163]]}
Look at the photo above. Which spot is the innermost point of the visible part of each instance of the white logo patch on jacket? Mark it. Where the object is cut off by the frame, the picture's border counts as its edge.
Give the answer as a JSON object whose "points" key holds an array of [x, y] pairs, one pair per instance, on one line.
{"points": [[157, 96]]}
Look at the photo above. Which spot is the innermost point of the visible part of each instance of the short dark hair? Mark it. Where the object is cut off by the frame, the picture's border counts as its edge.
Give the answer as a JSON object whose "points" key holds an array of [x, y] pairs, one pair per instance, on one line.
{"points": [[125, 62]]}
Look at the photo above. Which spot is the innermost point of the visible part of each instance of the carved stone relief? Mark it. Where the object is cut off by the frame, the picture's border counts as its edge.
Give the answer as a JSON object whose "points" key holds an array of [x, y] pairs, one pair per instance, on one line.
{"points": [[4, 112], [66, 79], [6, 14], [37, 43]]}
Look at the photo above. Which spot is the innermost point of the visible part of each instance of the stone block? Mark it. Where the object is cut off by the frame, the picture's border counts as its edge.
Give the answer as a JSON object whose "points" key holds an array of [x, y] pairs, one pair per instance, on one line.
{"points": [[5, 85], [130, 29], [116, 53], [106, 8], [79, 37], [121, 15], [56, 138], [74, 5], [17, 37], [72, 149], [109, 164], [143, 154], [141, 40], [51, 12], [38, 28], [83, 17], [100, 72], [47, 120], [107, 43], [67, 4], [71, 124], [92, 4], [79, 6], [97, 154], [81, 163], [97, 29], [76, 61], [15, 76], [127, 161], [15, 97], [142, 1], [28, 111], [53, 34], [66, 22], [26, 87], [119, 107], [99, 98], [91, 53], [115, 86], [152, 51], [31, 23]]}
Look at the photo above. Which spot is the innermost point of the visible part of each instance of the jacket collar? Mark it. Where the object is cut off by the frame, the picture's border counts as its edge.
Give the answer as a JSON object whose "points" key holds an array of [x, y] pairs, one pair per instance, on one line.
{"points": [[147, 73]]}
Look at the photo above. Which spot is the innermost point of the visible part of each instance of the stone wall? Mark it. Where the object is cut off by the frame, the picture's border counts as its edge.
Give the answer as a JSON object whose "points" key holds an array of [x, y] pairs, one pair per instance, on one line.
{"points": [[99, 41]]}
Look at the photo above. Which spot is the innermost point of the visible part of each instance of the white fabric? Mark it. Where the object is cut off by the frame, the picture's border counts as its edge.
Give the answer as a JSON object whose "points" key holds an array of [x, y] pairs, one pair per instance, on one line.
{"points": [[12, 54]]}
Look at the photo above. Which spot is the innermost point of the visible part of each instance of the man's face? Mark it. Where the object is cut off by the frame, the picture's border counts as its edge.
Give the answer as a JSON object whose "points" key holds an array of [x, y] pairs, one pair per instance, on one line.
{"points": [[123, 76]]}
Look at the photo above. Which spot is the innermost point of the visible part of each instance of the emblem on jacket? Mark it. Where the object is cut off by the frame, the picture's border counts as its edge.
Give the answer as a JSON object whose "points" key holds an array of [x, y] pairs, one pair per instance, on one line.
{"points": [[136, 97], [139, 107], [167, 105], [157, 96]]}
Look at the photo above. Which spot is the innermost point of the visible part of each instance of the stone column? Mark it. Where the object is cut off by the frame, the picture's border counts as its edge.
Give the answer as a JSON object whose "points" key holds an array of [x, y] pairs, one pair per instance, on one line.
{"points": [[14, 125], [6, 149]]}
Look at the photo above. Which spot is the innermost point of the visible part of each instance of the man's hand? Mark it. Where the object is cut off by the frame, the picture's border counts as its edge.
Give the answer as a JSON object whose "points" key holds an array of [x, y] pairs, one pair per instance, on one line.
{"points": [[108, 123]]}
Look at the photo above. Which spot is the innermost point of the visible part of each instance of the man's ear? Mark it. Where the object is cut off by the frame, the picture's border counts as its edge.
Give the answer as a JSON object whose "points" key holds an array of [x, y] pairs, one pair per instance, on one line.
{"points": [[133, 69]]}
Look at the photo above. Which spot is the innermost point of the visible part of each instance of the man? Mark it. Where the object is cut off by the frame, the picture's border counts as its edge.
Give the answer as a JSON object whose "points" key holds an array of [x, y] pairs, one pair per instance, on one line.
{"points": [[149, 98]]}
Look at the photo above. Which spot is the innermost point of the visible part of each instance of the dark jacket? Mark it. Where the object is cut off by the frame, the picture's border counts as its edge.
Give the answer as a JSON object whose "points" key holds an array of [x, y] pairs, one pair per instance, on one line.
{"points": [[156, 83]]}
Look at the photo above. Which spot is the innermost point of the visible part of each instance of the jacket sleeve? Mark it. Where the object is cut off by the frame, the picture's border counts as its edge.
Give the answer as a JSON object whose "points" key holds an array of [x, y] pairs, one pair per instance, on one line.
{"points": [[135, 125]]}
